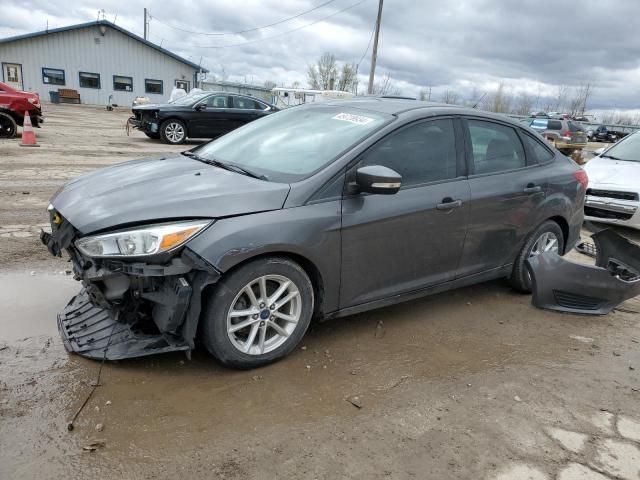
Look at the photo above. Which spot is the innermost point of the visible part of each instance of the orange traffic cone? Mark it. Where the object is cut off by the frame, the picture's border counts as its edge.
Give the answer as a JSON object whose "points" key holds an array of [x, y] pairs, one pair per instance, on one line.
{"points": [[28, 135]]}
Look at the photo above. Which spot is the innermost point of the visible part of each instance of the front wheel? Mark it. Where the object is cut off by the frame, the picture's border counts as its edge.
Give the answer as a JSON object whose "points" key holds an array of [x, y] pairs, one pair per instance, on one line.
{"points": [[548, 237], [173, 132], [258, 313], [8, 126]]}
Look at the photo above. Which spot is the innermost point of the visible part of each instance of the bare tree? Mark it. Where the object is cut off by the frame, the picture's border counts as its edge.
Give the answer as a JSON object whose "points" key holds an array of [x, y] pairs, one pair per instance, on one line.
{"points": [[425, 94], [561, 98], [578, 102], [327, 75], [475, 97], [385, 86], [524, 104], [498, 101], [451, 97], [270, 84]]}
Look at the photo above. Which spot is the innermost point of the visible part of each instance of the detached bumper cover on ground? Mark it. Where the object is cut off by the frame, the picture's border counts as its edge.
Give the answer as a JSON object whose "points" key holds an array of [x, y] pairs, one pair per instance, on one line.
{"points": [[562, 285]]}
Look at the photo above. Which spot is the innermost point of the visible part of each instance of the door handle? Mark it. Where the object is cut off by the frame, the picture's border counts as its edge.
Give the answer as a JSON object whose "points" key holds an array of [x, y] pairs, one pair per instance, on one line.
{"points": [[531, 188], [449, 203]]}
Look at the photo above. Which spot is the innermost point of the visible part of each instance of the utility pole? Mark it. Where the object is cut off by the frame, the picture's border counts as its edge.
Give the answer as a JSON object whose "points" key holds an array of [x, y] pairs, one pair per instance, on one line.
{"points": [[374, 53], [146, 24]]}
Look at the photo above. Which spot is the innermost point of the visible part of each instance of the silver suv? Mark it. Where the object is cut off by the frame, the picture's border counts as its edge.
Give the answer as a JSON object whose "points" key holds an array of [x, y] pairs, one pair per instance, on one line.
{"points": [[566, 135]]}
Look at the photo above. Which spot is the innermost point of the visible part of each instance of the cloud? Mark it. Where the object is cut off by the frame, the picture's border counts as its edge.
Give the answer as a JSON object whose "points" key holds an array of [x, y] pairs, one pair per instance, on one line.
{"points": [[531, 47]]}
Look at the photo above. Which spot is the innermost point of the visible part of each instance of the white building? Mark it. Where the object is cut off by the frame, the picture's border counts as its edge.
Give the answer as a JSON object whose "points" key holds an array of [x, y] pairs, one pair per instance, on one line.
{"points": [[99, 60]]}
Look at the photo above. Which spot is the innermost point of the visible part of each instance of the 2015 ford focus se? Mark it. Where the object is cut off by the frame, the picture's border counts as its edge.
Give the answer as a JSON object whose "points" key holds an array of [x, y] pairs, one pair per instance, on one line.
{"points": [[318, 211]]}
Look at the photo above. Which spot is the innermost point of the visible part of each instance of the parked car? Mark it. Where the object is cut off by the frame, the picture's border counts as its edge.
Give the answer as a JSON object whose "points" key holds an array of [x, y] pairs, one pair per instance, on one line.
{"points": [[202, 115], [613, 195], [605, 134], [13, 105], [322, 210], [538, 114], [566, 135]]}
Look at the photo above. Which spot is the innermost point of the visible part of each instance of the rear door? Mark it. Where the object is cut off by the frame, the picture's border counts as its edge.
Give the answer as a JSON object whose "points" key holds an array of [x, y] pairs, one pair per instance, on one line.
{"points": [[244, 110], [398, 243], [507, 187], [211, 119]]}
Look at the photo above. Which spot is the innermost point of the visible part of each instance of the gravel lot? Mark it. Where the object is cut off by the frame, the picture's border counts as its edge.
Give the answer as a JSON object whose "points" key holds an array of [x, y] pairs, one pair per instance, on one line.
{"points": [[470, 384]]}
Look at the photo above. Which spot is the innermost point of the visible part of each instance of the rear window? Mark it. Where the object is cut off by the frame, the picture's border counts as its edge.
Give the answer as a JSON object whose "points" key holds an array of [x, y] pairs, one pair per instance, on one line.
{"points": [[536, 151], [575, 127], [554, 125]]}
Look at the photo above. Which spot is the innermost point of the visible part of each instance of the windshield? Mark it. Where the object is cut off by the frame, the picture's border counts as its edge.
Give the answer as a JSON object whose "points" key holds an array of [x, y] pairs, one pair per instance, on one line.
{"points": [[295, 143], [627, 149], [189, 99]]}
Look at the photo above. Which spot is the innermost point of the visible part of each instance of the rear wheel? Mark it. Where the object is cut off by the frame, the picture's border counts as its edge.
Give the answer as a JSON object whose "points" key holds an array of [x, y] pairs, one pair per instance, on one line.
{"points": [[173, 131], [258, 313], [8, 126], [548, 237]]}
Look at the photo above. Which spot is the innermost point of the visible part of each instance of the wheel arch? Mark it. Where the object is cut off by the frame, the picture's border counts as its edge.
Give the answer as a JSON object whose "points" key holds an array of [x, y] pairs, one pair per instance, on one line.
{"points": [[309, 267], [564, 226]]}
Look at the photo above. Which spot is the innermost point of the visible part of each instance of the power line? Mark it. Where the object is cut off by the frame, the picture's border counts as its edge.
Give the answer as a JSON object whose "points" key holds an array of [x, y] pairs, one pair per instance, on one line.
{"points": [[368, 45], [279, 34], [239, 32]]}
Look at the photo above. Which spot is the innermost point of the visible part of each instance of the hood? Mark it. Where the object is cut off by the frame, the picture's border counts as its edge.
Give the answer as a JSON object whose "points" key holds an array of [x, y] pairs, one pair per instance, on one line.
{"points": [[605, 171], [162, 188]]}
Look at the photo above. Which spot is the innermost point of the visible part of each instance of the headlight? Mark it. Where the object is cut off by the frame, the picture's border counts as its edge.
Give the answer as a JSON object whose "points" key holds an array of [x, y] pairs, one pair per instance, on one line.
{"points": [[141, 241]]}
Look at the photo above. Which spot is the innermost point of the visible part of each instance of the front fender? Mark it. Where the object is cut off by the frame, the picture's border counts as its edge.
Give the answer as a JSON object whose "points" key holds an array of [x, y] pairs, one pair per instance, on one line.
{"points": [[309, 231]]}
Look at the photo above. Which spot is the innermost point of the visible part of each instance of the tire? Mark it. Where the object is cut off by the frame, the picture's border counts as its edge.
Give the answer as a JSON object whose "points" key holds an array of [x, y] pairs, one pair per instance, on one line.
{"points": [[520, 278], [246, 347], [8, 126], [155, 136], [173, 131]]}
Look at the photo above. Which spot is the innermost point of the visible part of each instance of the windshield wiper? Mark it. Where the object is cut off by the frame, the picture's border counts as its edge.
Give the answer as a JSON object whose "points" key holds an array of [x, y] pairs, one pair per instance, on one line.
{"points": [[610, 156], [227, 166]]}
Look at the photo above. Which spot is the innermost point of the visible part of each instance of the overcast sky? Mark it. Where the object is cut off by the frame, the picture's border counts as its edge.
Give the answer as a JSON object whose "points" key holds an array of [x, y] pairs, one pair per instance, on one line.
{"points": [[531, 46]]}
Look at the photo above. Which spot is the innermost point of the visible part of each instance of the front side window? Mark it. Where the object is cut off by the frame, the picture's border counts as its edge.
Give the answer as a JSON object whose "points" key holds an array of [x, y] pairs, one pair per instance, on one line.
{"points": [[217, 101], [124, 84], [421, 153], [153, 86], [245, 103], [495, 147], [89, 80], [53, 76], [292, 144]]}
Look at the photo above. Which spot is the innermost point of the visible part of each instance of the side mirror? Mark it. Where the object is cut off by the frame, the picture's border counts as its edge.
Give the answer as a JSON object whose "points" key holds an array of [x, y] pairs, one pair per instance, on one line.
{"points": [[201, 106], [378, 179]]}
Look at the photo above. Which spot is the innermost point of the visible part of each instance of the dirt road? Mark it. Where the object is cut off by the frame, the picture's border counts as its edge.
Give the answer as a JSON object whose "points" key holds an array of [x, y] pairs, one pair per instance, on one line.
{"points": [[472, 384]]}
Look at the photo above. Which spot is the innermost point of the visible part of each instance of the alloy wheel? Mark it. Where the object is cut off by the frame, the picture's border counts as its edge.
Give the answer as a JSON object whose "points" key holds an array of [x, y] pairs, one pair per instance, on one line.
{"points": [[547, 242], [174, 132], [264, 314]]}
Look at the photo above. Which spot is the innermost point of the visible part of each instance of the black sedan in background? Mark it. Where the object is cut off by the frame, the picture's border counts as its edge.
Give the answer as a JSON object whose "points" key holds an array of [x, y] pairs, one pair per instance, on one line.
{"points": [[203, 115]]}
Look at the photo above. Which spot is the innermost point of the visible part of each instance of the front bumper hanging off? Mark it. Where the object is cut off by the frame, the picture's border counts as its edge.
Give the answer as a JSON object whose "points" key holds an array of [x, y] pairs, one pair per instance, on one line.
{"points": [[565, 286], [92, 332]]}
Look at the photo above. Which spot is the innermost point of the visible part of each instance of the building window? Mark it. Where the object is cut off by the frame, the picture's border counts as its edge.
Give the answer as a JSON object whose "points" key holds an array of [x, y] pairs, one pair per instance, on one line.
{"points": [[183, 84], [89, 80], [152, 86], [123, 83], [53, 76]]}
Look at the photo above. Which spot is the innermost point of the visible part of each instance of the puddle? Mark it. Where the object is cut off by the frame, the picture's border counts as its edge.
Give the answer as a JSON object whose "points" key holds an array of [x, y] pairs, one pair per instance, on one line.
{"points": [[31, 302]]}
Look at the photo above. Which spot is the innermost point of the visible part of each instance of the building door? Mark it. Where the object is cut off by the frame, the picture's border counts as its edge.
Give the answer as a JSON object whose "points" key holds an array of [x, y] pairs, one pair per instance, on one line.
{"points": [[183, 84], [12, 75]]}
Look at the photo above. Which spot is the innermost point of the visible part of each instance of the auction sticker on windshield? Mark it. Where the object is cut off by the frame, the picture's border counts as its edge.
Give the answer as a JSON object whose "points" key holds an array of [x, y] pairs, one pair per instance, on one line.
{"points": [[357, 119]]}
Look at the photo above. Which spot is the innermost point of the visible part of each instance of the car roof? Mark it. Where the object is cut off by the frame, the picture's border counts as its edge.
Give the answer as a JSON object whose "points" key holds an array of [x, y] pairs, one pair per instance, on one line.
{"points": [[398, 107]]}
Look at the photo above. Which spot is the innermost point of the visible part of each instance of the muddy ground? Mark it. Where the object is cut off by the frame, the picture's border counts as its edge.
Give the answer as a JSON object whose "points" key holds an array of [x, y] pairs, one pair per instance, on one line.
{"points": [[470, 384]]}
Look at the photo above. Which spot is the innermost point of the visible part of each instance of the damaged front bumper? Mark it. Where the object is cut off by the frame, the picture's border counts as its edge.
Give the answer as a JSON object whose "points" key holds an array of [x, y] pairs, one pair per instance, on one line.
{"points": [[565, 286], [129, 309]]}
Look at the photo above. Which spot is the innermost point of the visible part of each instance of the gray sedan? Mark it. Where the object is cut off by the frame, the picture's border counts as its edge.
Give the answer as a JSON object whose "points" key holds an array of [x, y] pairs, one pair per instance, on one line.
{"points": [[318, 211]]}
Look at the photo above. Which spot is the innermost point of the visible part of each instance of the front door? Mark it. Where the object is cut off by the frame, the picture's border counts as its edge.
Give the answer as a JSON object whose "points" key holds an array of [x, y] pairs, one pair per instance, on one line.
{"points": [[12, 75], [398, 243], [506, 192], [211, 118]]}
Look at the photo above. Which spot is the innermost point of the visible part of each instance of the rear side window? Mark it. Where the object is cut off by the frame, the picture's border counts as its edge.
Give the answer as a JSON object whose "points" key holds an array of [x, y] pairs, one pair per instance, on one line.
{"points": [[245, 103], [421, 153], [554, 125], [536, 150], [540, 123], [495, 147]]}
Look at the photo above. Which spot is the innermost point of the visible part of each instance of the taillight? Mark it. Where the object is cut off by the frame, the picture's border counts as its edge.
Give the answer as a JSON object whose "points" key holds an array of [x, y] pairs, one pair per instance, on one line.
{"points": [[566, 133], [582, 177]]}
